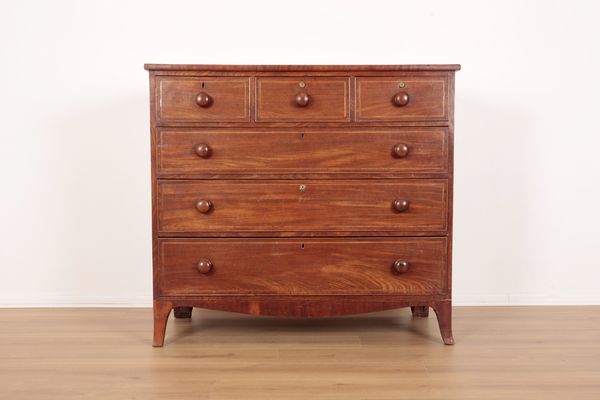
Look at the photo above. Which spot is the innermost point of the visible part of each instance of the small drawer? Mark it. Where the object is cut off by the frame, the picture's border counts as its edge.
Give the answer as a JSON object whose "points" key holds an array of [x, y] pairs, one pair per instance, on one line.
{"points": [[251, 206], [302, 99], [400, 266], [401, 99], [363, 152], [207, 99]]}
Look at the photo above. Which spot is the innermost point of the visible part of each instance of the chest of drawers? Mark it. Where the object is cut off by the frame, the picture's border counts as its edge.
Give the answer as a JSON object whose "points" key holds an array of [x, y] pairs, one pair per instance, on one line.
{"points": [[302, 190]]}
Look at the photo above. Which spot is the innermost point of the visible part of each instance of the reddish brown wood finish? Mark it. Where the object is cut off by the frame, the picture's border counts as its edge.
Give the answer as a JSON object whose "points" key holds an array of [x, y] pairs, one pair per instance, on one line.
{"points": [[204, 266], [302, 267], [302, 205], [400, 99], [343, 69], [162, 309], [443, 311], [244, 156], [302, 99], [225, 153], [205, 99], [301, 305]]}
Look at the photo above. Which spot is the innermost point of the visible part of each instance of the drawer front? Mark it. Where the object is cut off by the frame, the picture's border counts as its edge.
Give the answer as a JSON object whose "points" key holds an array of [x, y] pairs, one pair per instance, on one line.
{"points": [[207, 99], [295, 206], [409, 266], [291, 151], [401, 99], [302, 99]]}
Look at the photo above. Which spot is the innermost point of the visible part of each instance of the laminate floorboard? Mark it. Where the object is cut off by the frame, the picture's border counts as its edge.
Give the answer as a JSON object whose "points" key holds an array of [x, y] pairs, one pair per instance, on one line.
{"points": [[500, 353]]}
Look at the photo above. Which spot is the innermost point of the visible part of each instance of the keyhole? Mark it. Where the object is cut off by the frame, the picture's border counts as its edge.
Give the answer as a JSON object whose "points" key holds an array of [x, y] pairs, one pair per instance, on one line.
{"points": [[301, 135], [202, 85], [302, 246]]}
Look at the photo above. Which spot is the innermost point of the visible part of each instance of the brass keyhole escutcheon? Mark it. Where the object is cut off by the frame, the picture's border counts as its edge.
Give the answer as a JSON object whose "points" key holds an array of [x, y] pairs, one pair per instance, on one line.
{"points": [[401, 84], [302, 187], [302, 84]]}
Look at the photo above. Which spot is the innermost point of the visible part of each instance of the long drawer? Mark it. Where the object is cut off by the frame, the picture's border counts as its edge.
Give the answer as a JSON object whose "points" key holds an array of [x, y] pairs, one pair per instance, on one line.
{"points": [[221, 152], [407, 266], [247, 206]]}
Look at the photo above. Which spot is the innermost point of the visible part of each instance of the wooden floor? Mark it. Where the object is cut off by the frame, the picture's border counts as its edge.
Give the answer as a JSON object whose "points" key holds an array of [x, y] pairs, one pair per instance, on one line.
{"points": [[500, 353]]}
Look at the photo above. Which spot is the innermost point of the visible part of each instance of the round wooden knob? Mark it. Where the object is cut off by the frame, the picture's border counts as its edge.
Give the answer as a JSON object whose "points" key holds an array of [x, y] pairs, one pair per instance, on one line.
{"points": [[204, 206], [401, 266], [202, 150], [203, 99], [400, 99], [401, 205], [400, 150], [204, 265], [302, 99]]}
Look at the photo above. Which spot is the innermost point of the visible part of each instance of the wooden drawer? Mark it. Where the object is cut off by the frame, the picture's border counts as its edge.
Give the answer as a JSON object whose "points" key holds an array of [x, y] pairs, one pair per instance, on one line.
{"points": [[221, 152], [401, 99], [206, 99], [302, 266], [302, 99], [246, 207]]}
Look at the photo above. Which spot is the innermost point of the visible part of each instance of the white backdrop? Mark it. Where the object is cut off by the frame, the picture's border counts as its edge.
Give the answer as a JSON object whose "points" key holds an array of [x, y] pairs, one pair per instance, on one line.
{"points": [[74, 150]]}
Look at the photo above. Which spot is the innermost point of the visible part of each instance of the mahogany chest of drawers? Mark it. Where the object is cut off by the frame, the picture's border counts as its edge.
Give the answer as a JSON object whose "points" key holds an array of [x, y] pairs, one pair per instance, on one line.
{"points": [[302, 190]]}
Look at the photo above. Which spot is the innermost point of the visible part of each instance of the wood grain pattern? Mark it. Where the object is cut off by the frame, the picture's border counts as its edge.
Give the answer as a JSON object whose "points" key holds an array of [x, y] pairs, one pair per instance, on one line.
{"points": [[153, 184], [300, 305], [331, 156], [532, 353], [427, 99], [302, 267], [301, 152], [327, 99], [346, 205], [177, 99], [162, 310], [300, 68], [443, 312]]}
